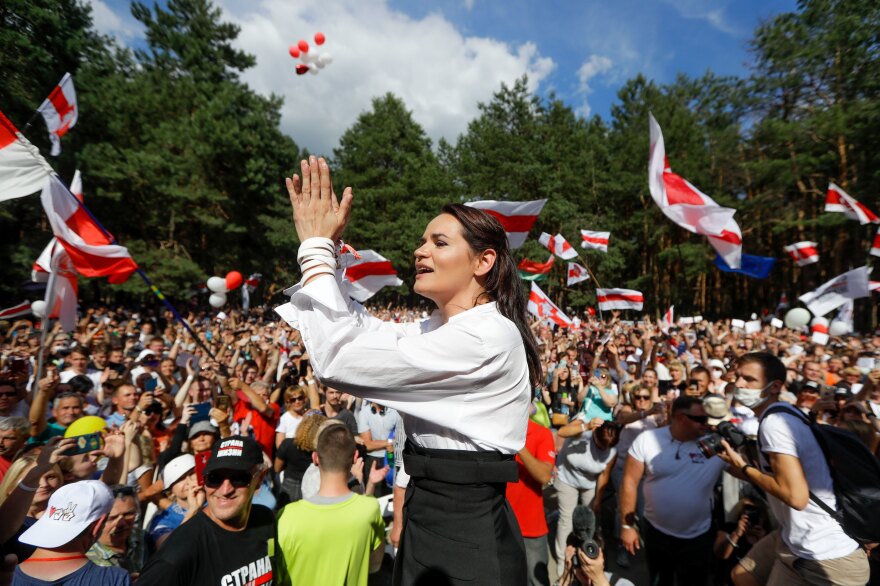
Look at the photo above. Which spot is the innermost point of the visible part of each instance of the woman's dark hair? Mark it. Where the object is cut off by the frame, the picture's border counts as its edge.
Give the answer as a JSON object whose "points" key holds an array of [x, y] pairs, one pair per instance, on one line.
{"points": [[502, 282]]}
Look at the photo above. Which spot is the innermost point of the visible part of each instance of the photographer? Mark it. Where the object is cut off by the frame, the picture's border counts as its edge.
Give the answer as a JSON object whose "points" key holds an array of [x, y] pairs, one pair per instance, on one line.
{"points": [[587, 571], [810, 547]]}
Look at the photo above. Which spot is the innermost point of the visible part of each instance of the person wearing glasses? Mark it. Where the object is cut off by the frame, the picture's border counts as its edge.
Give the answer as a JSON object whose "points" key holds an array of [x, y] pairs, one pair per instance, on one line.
{"points": [[121, 542], [231, 540], [295, 403], [678, 486], [601, 396]]}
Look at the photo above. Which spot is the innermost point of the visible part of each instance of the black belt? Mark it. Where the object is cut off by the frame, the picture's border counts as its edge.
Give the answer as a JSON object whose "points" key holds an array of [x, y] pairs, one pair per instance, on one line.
{"points": [[459, 466]]}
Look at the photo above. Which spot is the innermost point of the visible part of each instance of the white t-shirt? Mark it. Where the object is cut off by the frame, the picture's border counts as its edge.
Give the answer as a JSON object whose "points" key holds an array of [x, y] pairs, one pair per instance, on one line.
{"points": [[288, 424], [631, 431], [580, 462], [92, 374], [678, 483], [811, 533]]}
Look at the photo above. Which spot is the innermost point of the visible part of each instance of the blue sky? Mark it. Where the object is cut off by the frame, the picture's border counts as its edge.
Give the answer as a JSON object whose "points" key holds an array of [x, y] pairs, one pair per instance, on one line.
{"points": [[443, 57]]}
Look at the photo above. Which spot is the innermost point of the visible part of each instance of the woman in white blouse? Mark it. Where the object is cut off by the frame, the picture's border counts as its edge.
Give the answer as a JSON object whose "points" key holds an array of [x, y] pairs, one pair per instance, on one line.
{"points": [[461, 379]]}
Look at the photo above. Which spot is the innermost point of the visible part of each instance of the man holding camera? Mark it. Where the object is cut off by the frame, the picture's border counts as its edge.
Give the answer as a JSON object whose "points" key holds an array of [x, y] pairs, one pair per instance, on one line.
{"points": [[810, 547], [678, 488]]}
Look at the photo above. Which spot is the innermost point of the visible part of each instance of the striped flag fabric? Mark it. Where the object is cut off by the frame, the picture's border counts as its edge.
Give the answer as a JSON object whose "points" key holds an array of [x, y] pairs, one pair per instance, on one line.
{"points": [[834, 293], [803, 253], [517, 217], [530, 270], [837, 200], [576, 274], [89, 248], [875, 247], [874, 285], [541, 306], [23, 308], [689, 207], [558, 246], [668, 320], [23, 170], [609, 299], [595, 240], [60, 112], [368, 274]]}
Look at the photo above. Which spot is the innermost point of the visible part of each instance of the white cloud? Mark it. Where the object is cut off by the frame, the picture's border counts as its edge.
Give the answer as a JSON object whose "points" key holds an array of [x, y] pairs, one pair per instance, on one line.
{"points": [[708, 10], [594, 66], [108, 22], [440, 73]]}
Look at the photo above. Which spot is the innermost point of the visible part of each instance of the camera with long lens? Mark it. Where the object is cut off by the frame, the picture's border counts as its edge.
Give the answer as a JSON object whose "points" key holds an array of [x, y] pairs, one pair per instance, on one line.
{"points": [[589, 547], [710, 444]]}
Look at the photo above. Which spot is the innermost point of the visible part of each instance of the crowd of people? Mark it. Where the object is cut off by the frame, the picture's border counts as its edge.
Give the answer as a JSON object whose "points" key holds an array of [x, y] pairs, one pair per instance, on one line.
{"points": [[142, 453]]}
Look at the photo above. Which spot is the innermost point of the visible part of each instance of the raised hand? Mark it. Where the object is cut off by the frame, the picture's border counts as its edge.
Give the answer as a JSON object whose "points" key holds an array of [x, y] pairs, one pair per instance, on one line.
{"points": [[316, 210]]}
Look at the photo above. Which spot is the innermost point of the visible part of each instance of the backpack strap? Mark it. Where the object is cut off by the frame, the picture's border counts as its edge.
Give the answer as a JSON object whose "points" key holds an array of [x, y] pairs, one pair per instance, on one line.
{"points": [[780, 408]]}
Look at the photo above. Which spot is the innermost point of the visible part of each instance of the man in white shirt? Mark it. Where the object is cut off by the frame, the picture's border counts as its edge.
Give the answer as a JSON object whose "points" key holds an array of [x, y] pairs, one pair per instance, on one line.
{"points": [[810, 547], [375, 425], [78, 359], [678, 488]]}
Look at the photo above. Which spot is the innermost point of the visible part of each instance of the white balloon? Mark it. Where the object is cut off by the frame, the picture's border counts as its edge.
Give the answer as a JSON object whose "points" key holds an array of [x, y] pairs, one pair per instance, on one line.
{"points": [[38, 308], [819, 321], [307, 58], [319, 65], [313, 69], [217, 284], [797, 318], [217, 299], [838, 328], [327, 58]]}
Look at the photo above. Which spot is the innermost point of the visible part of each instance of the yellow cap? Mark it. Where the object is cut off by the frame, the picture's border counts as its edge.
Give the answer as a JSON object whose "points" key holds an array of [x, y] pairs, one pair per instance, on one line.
{"points": [[85, 425]]}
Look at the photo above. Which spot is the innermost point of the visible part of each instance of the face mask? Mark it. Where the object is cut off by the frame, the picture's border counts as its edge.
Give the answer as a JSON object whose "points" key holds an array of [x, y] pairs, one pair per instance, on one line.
{"points": [[716, 374], [751, 398]]}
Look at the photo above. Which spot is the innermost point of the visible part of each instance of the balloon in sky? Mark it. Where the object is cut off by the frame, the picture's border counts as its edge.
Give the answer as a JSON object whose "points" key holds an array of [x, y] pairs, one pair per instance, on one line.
{"points": [[319, 38], [302, 68], [303, 46], [310, 62], [233, 280], [294, 51]]}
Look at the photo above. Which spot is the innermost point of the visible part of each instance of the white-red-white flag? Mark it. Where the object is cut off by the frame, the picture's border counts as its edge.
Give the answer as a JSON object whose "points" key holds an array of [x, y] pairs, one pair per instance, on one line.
{"points": [[517, 217], [61, 296], [834, 293], [668, 320], [23, 308], [875, 247], [595, 240], [540, 305], [689, 207], [803, 253], [874, 285], [23, 170], [368, 274], [89, 248], [576, 274], [837, 200], [60, 111], [609, 299], [558, 246]]}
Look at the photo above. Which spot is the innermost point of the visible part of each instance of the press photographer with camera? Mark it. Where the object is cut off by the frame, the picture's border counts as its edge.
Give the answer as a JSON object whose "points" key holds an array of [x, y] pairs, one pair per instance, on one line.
{"points": [[810, 547]]}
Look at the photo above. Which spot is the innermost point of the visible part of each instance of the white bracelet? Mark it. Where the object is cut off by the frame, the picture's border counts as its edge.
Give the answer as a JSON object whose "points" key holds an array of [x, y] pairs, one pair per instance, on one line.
{"points": [[316, 256]]}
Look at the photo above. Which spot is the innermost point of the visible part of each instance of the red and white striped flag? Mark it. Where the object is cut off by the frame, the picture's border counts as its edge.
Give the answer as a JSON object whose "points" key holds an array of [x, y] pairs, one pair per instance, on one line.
{"points": [[60, 112], [541, 306], [576, 274], [368, 274], [89, 248], [23, 308], [838, 200], [874, 285], [689, 207], [668, 320], [595, 240], [875, 247], [517, 217], [531, 270], [803, 253], [23, 170], [558, 246], [61, 297], [609, 299]]}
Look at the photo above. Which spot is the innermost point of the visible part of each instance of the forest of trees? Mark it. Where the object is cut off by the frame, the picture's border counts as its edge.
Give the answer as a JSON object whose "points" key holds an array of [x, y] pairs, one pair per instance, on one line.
{"points": [[184, 163]]}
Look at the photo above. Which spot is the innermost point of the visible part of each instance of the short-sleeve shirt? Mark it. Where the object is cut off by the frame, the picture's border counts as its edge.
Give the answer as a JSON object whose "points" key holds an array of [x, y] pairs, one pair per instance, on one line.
{"points": [[264, 427], [88, 575], [526, 496], [580, 461], [379, 426], [201, 553], [594, 407], [288, 424]]}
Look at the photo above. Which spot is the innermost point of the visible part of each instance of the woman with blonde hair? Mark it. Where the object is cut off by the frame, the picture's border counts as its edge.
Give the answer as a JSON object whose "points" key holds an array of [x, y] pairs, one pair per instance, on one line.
{"points": [[294, 456], [295, 402]]}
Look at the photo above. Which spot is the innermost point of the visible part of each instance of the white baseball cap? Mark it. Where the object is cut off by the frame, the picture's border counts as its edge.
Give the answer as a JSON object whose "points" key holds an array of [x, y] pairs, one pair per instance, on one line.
{"points": [[71, 509], [177, 469]]}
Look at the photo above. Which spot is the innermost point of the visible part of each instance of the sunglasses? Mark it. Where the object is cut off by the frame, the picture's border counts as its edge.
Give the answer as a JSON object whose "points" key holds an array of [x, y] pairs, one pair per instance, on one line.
{"points": [[237, 478], [296, 399], [642, 397], [701, 419], [8, 394]]}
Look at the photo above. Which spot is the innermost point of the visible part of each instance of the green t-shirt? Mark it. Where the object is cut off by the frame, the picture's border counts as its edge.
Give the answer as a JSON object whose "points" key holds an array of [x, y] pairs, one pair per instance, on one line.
{"points": [[328, 543]]}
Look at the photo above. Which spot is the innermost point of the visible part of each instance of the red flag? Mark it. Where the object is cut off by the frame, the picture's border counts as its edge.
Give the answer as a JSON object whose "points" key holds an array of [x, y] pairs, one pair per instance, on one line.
{"points": [[619, 299], [89, 248], [23, 308], [689, 207], [668, 320], [875, 248], [368, 274], [837, 200], [803, 253], [536, 268], [541, 306], [576, 274], [23, 170], [60, 111], [595, 240], [558, 246], [517, 217]]}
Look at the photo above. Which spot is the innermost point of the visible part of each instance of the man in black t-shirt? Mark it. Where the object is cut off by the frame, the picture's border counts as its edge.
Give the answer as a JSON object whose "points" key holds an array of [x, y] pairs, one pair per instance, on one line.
{"points": [[229, 543]]}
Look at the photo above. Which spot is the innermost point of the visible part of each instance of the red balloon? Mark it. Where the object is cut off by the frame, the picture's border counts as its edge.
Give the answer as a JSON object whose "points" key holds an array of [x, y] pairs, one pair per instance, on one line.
{"points": [[302, 68], [294, 51], [319, 38], [233, 280], [303, 46], [591, 311]]}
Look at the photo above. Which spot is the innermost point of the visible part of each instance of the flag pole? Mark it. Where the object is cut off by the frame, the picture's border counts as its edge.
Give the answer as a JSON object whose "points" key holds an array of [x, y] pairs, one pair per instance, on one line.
{"points": [[46, 320], [595, 280], [155, 290]]}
